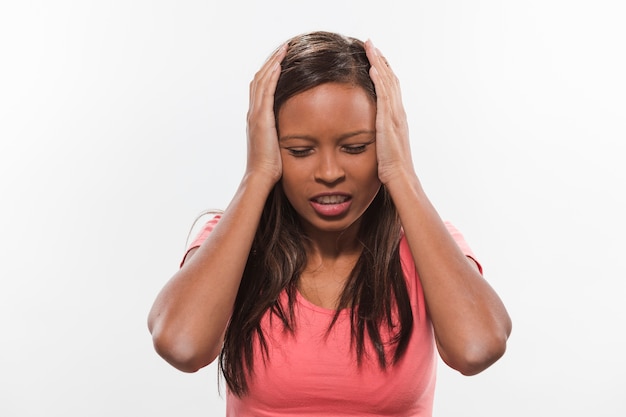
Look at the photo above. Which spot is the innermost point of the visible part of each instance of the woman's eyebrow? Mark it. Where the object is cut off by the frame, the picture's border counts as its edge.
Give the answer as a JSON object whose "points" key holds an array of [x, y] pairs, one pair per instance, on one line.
{"points": [[357, 133], [340, 137], [296, 136]]}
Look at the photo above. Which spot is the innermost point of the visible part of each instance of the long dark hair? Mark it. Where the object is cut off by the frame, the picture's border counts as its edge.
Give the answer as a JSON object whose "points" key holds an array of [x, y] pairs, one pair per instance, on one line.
{"points": [[375, 288]]}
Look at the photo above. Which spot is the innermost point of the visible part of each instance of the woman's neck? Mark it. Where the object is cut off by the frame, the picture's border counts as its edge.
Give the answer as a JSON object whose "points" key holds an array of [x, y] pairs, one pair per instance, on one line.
{"points": [[331, 256], [325, 246]]}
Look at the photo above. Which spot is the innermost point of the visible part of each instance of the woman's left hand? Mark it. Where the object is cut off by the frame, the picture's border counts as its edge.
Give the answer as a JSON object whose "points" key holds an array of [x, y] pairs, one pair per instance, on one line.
{"points": [[392, 131], [470, 322]]}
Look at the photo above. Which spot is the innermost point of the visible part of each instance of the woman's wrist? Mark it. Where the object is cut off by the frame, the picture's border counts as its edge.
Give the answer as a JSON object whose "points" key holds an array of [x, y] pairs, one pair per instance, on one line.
{"points": [[403, 181], [259, 180]]}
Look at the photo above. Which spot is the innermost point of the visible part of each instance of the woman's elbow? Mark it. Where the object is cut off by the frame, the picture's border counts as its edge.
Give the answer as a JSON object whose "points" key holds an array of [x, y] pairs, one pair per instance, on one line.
{"points": [[480, 357], [477, 355], [181, 352], [480, 352]]}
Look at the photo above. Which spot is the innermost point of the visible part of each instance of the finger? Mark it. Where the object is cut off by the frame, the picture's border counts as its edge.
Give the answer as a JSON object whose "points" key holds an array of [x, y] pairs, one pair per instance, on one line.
{"points": [[382, 58], [266, 85], [377, 59], [378, 73], [380, 63], [271, 64], [385, 77], [266, 72]]}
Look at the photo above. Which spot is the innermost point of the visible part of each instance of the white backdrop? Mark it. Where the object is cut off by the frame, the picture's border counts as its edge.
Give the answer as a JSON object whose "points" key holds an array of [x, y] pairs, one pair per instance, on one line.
{"points": [[121, 120]]}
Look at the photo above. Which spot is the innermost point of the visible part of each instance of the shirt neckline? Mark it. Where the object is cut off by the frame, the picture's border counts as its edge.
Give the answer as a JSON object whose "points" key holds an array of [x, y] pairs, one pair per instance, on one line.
{"points": [[311, 306]]}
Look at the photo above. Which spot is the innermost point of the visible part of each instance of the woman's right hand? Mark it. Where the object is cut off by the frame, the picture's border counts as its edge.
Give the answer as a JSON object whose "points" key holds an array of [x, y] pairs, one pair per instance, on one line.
{"points": [[189, 316], [263, 150]]}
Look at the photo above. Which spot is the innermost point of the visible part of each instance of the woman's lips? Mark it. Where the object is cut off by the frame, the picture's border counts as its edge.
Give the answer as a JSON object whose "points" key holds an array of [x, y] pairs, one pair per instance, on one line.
{"points": [[331, 205]]}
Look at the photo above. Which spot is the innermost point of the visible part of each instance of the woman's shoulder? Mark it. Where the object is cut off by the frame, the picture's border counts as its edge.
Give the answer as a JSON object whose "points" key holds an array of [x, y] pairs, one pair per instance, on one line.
{"points": [[408, 264], [200, 235]]}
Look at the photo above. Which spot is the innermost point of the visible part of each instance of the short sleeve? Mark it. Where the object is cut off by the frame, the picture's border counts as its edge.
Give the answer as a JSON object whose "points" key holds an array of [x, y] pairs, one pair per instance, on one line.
{"points": [[201, 236], [410, 272], [462, 244]]}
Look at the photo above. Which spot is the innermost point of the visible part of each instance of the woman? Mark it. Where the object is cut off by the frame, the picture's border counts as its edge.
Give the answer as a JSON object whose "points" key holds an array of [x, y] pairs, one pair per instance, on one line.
{"points": [[329, 282]]}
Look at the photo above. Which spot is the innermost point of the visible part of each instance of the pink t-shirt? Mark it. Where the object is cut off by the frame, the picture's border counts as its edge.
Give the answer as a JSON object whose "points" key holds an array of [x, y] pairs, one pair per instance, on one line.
{"points": [[310, 374]]}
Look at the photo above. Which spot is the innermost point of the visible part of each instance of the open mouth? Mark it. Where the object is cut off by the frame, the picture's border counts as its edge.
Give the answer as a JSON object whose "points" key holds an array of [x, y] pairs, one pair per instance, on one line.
{"points": [[331, 199]]}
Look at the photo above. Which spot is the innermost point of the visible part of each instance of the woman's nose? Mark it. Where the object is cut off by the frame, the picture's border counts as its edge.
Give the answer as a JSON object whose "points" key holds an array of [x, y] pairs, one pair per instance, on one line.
{"points": [[329, 169]]}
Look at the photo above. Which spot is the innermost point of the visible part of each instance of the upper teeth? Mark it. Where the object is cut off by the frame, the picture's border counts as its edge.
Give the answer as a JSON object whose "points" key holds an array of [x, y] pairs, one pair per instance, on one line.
{"points": [[331, 199]]}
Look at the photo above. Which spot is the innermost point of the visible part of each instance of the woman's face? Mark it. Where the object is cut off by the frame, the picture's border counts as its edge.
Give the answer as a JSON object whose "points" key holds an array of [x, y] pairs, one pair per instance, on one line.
{"points": [[327, 145]]}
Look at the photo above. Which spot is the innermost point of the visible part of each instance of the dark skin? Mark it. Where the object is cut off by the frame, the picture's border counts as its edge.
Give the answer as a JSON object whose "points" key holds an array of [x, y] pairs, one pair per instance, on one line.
{"points": [[190, 315], [327, 147]]}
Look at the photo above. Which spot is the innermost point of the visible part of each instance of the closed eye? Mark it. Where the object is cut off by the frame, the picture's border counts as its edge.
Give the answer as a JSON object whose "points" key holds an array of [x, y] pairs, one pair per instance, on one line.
{"points": [[354, 149], [299, 152]]}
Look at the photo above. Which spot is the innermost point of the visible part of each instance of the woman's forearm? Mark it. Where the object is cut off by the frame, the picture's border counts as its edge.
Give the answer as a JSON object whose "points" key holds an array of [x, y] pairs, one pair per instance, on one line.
{"points": [[470, 321], [190, 314]]}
